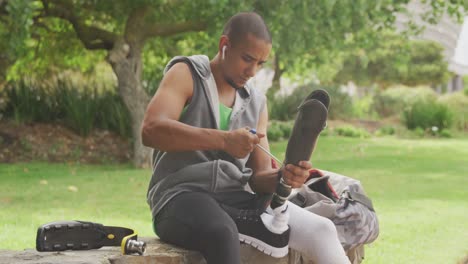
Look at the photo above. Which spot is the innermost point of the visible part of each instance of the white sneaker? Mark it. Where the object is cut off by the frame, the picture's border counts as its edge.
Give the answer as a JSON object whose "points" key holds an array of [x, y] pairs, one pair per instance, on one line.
{"points": [[260, 230]]}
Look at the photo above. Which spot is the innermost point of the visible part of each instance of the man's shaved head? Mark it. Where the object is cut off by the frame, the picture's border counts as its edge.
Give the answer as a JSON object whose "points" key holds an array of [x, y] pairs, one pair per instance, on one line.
{"points": [[242, 24]]}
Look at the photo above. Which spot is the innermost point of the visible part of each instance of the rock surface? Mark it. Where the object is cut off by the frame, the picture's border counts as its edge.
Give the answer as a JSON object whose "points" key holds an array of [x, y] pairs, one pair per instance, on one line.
{"points": [[157, 252]]}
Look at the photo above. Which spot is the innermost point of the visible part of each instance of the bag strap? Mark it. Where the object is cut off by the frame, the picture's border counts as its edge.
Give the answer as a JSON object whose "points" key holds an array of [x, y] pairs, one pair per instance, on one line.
{"points": [[358, 197], [298, 200]]}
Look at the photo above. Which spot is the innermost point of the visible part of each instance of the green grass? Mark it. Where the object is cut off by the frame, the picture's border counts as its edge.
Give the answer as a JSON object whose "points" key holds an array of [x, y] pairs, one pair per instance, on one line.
{"points": [[111, 195], [419, 190]]}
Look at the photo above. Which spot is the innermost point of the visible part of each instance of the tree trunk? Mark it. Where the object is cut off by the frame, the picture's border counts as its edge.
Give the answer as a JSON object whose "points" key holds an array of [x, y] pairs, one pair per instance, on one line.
{"points": [[276, 84], [126, 62]]}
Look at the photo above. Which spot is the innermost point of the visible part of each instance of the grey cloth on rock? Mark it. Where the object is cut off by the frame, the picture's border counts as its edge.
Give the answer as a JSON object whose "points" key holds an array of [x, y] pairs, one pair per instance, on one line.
{"points": [[353, 214]]}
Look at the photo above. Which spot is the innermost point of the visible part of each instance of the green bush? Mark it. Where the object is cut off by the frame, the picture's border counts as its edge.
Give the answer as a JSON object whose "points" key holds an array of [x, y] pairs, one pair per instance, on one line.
{"points": [[286, 128], [278, 109], [385, 130], [419, 132], [80, 108], [427, 114], [350, 131], [113, 115], [3, 101], [285, 108], [325, 132], [458, 104], [363, 108], [27, 102], [392, 100], [445, 134], [274, 132], [341, 105]]}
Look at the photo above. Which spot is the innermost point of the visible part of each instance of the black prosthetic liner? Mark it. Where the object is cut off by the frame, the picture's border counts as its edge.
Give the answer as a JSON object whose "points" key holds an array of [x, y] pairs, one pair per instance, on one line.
{"points": [[310, 121]]}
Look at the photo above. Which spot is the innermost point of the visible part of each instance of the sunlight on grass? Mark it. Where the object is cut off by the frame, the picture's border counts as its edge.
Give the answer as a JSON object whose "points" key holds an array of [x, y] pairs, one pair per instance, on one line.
{"points": [[418, 188], [105, 194]]}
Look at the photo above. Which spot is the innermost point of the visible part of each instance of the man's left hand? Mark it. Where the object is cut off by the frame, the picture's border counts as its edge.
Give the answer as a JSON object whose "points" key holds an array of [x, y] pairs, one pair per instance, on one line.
{"points": [[295, 176]]}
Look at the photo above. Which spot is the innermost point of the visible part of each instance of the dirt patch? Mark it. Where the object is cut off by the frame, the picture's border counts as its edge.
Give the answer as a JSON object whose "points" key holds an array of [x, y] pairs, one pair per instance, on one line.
{"points": [[57, 143]]}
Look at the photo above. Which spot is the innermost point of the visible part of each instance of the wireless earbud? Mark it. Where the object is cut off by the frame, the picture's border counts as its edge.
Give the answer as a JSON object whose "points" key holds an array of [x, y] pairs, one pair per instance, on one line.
{"points": [[224, 51]]}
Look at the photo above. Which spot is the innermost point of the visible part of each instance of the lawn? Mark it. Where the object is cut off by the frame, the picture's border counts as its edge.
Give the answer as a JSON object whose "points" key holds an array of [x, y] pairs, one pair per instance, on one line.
{"points": [[419, 190]]}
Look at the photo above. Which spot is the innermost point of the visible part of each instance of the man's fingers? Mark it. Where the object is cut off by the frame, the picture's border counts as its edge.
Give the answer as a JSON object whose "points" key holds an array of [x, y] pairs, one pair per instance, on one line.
{"points": [[295, 176], [256, 140], [292, 183], [255, 132], [296, 171], [305, 164]]}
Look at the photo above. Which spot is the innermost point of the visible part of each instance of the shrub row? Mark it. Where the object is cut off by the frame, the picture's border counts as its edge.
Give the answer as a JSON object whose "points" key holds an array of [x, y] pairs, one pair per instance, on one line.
{"points": [[81, 109], [427, 114], [391, 101], [417, 106], [280, 130], [285, 107], [423, 109]]}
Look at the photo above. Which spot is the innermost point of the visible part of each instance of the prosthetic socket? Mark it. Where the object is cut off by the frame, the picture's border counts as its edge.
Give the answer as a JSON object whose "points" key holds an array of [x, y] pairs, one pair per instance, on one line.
{"points": [[310, 121]]}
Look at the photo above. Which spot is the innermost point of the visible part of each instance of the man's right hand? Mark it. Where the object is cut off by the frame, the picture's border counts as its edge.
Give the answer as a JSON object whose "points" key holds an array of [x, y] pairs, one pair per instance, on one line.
{"points": [[240, 142]]}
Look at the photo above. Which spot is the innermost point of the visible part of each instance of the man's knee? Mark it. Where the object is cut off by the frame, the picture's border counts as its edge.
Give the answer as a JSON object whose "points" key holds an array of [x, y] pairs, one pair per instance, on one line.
{"points": [[326, 227], [222, 232]]}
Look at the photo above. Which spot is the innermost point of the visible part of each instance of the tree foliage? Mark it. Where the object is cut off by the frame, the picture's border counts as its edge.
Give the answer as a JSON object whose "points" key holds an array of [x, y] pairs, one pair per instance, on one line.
{"points": [[395, 59], [55, 34], [306, 33]]}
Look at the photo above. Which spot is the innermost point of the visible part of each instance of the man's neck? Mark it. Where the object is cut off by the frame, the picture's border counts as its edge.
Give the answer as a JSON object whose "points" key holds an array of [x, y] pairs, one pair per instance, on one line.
{"points": [[226, 92], [221, 83]]}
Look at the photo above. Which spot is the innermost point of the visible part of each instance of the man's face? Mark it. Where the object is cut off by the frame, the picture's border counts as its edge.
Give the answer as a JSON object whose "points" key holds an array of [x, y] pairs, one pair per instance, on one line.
{"points": [[243, 59]]}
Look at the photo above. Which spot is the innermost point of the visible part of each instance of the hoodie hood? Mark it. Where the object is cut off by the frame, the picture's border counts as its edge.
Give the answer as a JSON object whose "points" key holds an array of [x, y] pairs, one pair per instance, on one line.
{"points": [[200, 63]]}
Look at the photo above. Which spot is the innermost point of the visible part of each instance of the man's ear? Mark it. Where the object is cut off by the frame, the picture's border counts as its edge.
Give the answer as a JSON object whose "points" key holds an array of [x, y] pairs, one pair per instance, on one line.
{"points": [[223, 52], [223, 43]]}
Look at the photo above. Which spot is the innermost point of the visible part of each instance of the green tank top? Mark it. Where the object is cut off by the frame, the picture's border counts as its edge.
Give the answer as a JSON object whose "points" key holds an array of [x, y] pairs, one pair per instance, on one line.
{"points": [[224, 116]]}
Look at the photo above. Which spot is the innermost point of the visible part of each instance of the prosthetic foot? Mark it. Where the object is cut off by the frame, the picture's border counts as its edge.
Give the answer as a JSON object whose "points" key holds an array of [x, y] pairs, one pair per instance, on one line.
{"points": [[80, 235]]}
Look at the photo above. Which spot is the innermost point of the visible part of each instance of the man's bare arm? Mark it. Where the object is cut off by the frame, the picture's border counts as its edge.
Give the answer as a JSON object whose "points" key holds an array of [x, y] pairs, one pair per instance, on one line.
{"points": [[162, 130]]}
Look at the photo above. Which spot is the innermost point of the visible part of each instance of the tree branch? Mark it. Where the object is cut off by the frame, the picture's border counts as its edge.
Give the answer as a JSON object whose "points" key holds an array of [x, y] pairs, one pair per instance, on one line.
{"points": [[92, 37], [3, 10], [138, 28], [163, 30], [40, 24]]}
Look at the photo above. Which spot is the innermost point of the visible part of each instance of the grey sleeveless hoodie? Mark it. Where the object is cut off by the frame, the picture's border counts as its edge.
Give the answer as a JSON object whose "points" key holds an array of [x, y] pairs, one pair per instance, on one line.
{"points": [[212, 170]]}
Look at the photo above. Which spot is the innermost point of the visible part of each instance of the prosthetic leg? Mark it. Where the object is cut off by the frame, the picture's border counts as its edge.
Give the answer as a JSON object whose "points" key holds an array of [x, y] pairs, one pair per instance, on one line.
{"points": [[80, 235], [310, 121], [269, 231]]}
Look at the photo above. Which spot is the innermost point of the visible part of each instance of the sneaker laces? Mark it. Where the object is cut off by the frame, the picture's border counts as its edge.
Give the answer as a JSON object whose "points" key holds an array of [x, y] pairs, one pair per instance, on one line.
{"points": [[248, 215]]}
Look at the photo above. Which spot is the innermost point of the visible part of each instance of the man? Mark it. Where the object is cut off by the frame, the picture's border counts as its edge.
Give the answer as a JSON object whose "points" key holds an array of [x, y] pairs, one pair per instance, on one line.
{"points": [[199, 122]]}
